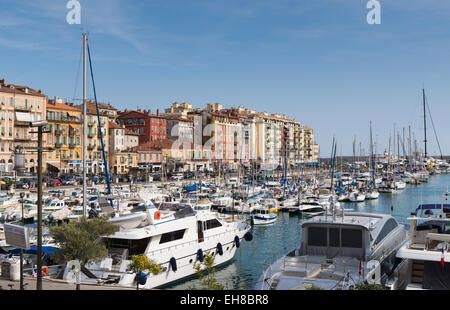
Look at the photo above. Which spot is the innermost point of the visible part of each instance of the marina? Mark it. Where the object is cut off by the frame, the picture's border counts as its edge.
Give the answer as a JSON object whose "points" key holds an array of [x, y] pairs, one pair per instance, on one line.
{"points": [[224, 147], [264, 233]]}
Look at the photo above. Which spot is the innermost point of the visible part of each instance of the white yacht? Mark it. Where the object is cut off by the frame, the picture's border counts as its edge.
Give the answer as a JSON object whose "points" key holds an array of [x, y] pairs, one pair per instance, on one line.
{"points": [[176, 240], [337, 252], [427, 261], [263, 216], [356, 196]]}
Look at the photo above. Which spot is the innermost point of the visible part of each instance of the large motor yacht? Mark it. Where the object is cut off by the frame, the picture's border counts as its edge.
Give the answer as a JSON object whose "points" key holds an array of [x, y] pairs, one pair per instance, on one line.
{"points": [[176, 239], [337, 252], [427, 261]]}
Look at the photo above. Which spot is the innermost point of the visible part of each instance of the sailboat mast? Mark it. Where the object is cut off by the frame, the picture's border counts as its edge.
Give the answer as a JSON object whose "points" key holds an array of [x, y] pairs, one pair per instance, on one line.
{"points": [[424, 122], [84, 122]]}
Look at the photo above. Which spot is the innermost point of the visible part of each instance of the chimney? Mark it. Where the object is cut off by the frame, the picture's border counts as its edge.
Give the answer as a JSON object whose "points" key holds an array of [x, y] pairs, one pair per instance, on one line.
{"points": [[157, 112], [3, 82]]}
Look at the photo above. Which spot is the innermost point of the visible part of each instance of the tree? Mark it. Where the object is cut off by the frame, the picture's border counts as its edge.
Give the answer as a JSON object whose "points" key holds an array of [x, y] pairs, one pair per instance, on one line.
{"points": [[207, 274], [81, 240], [141, 263]]}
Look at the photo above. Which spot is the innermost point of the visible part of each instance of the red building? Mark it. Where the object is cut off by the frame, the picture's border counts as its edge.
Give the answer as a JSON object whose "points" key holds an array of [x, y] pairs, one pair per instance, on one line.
{"points": [[149, 127]]}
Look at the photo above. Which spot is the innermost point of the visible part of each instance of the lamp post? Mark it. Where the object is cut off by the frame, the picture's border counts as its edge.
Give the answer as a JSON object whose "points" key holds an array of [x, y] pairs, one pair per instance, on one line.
{"points": [[40, 125]]}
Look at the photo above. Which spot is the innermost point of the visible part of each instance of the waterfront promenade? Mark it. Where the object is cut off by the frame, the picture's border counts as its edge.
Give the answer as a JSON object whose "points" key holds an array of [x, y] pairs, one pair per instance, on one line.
{"points": [[54, 285]]}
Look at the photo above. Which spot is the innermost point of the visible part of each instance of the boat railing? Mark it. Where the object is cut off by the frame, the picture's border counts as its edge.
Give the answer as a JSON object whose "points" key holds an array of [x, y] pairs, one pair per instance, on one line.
{"points": [[186, 244]]}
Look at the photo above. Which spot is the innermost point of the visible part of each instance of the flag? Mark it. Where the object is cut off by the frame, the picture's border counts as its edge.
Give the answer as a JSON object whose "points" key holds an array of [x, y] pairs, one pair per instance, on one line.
{"points": [[360, 267], [442, 258]]}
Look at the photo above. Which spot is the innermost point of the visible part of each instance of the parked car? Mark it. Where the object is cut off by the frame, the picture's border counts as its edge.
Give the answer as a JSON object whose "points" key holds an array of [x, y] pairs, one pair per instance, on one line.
{"points": [[177, 176], [22, 185], [53, 182], [69, 181], [156, 177]]}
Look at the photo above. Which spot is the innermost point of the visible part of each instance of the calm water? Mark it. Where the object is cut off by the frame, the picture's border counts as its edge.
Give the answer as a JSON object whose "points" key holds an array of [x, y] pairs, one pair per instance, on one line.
{"points": [[271, 242]]}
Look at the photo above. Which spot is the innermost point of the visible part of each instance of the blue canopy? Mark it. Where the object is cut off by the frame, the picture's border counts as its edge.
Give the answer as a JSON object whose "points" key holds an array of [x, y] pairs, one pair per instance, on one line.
{"points": [[434, 206], [192, 188], [46, 251]]}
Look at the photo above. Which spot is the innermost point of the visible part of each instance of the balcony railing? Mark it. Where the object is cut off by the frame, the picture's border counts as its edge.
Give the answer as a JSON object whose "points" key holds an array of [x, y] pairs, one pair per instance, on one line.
{"points": [[58, 132], [72, 145], [22, 109], [58, 145], [90, 147]]}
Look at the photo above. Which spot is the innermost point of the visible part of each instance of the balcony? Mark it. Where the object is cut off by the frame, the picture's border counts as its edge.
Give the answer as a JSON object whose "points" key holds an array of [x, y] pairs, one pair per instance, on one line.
{"points": [[22, 109], [72, 145], [58, 145], [91, 123], [58, 132], [21, 124], [72, 132], [90, 147], [18, 139], [91, 135]]}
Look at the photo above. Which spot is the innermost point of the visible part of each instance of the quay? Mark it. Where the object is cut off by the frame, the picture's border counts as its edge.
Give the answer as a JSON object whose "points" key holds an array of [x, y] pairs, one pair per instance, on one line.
{"points": [[49, 284]]}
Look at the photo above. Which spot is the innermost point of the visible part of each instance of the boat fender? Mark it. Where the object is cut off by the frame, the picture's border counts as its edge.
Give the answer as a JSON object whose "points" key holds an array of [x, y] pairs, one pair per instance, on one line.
{"points": [[173, 263], [237, 242], [248, 236], [219, 248], [141, 278], [44, 270], [200, 256], [157, 215]]}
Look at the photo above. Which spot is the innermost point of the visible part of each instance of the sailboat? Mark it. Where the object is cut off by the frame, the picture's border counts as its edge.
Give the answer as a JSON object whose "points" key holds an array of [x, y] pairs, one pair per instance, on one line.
{"points": [[372, 192]]}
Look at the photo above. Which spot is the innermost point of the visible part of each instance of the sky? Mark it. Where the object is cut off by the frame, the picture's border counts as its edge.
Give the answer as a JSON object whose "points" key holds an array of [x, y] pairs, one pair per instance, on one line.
{"points": [[317, 61]]}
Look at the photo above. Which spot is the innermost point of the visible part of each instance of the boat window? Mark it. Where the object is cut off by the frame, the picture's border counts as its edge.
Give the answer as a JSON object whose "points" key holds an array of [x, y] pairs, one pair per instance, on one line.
{"points": [[134, 247], [387, 228], [334, 235], [172, 236], [351, 238], [214, 223], [317, 236]]}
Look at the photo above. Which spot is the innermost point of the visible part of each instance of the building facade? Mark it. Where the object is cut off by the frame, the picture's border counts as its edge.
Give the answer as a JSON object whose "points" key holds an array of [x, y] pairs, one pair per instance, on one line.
{"points": [[19, 106], [65, 138]]}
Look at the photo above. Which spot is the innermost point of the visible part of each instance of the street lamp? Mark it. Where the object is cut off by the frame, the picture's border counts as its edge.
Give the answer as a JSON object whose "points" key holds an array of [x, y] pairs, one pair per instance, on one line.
{"points": [[41, 126]]}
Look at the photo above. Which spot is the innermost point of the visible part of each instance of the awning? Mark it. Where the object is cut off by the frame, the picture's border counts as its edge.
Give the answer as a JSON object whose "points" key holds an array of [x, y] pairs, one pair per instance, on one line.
{"points": [[46, 251], [52, 168]]}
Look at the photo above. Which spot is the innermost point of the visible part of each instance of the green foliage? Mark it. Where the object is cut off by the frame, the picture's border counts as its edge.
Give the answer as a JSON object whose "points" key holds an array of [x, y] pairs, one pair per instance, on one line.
{"points": [[364, 286], [81, 240], [313, 288], [141, 263], [207, 274]]}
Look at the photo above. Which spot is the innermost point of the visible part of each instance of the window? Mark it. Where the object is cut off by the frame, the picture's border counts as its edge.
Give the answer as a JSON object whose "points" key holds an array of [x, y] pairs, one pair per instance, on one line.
{"points": [[10, 131], [10, 116], [210, 224], [317, 236], [3, 100], [334, 237], [11, 102], [172, 236], [351, 238], [387, 228]]}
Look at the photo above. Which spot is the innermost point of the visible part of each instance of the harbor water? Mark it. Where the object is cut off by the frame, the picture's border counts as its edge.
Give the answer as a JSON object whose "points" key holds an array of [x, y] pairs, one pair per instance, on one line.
{"points": [[275, 240]]}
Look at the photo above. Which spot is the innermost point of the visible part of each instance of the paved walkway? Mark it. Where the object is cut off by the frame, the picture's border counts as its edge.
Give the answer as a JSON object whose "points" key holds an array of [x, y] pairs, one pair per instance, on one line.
{"points": [[53, 284]]}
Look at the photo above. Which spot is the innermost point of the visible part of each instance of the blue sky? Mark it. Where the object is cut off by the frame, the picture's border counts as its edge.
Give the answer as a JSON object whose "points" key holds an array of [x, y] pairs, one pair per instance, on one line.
{"points": [[317, 61]]}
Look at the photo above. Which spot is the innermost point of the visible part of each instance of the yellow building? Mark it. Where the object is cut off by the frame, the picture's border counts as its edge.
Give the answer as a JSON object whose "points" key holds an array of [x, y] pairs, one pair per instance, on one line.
{"points": [[65, 138], [19, 105]]}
